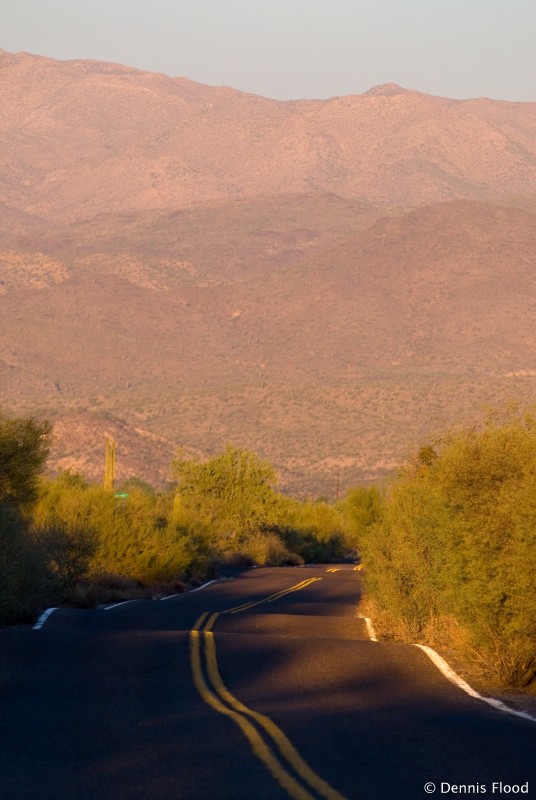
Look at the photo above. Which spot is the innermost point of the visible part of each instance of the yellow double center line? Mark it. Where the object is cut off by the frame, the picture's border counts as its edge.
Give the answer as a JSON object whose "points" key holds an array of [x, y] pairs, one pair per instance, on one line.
{"points": [[272, 597], [265, 734]]}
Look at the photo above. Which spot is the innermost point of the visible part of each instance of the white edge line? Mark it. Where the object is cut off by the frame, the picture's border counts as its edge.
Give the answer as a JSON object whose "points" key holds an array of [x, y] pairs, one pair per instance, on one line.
{"points": [[43, 618], [46, 614], [197, 589], [452, 676], [168, 597], [115, 605], [370, 628]]}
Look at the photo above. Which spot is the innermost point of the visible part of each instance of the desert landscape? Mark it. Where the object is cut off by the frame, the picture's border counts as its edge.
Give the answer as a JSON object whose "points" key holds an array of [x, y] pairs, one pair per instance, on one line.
{"points": [[326, 282]]}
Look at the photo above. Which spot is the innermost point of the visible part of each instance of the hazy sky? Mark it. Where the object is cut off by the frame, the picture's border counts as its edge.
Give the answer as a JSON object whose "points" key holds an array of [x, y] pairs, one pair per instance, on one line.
{"points": [[295, 48]]}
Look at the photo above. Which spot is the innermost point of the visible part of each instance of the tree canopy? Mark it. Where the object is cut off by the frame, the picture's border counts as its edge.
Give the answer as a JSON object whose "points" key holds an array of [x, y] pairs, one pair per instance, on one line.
{"points": [[457, 539], [233, 491], [24, 448]]}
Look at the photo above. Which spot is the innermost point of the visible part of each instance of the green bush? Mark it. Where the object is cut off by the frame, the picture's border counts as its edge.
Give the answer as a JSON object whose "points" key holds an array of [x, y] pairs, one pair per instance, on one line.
{"points": [[67, 551], [86, 528], [264, 549], [24, 447], [361, 508], [316, 532], [231, 493], [402, 554], [24, 575], [457, 536]]}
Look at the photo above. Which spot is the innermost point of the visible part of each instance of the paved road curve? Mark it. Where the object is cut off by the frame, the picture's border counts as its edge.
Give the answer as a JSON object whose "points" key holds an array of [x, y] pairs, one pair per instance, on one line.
{"points": [[263, 686]]}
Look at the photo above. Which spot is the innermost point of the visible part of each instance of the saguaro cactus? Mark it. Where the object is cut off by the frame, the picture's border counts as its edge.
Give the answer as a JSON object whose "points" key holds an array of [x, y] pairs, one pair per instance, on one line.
{"points": [[109, 463]]}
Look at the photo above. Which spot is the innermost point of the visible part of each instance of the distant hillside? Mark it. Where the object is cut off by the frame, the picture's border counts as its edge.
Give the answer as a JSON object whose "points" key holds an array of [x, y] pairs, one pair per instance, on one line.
{"points": [[81, 138], [324, 282], [449, 287], [79, 446], [330, 346]]}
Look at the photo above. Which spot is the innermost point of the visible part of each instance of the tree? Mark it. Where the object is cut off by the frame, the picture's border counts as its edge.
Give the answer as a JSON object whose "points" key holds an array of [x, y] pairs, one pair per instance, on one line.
{"points": [[457, 540], [67, 552], [24, 448], [362, 507], [232, 492]]}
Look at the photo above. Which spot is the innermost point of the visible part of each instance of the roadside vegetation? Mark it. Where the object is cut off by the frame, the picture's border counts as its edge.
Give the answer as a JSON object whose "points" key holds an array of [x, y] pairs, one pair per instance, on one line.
{"points": [[448, 545], [24, 577], [67, 541], [449, 548]]}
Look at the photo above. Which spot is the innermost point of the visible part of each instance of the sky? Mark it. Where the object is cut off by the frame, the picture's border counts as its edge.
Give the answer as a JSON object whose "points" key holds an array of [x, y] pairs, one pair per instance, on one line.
{"points": [[291, 49]]}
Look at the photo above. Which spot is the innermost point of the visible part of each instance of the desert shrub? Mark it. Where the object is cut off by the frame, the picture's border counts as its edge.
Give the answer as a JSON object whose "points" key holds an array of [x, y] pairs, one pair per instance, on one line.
{"points": [[488, 480], [233, 496], [361, 508], [24, 576], [315, 531], [86, 528], [13, 563], [134, 484], [402, 554], [457, 537], [67, 551], [180, 551], [24, 573], [24, 447], [144, 543], [264, 549], [231, 493]]}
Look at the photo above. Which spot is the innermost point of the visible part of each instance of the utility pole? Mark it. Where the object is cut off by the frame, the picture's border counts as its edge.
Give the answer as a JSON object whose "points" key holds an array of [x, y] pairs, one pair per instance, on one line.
{"points": [[109, 464]]}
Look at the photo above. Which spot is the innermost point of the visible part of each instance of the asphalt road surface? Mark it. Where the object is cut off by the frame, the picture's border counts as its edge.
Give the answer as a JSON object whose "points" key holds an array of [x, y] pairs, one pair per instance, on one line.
{"points": [[262, 686]]}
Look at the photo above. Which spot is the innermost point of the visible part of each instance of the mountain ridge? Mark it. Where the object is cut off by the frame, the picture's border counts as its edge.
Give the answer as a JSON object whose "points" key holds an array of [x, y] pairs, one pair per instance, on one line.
{"points": [[325, 282], [129, 139]]}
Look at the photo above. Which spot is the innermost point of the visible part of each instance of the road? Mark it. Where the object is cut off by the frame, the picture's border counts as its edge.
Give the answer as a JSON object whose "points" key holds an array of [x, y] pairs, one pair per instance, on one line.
{"points": [[260, 687]]}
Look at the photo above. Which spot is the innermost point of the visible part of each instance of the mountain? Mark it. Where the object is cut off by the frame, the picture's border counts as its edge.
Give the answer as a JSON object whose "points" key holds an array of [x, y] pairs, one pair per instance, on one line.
{"points": [[337, 361], [81, 138], [325, 282]]}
